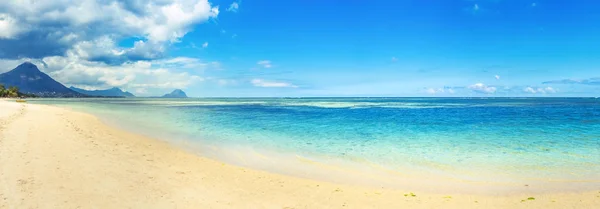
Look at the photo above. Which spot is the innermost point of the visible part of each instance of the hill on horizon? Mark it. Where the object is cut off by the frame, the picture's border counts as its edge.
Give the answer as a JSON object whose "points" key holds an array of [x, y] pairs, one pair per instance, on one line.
{"points": [[177, 93], [112, 92], [30, 80]]}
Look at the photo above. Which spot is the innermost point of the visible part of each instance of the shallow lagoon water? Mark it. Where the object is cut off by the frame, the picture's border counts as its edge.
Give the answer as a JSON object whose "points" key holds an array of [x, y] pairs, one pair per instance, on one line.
{"points": [[512, 141]]}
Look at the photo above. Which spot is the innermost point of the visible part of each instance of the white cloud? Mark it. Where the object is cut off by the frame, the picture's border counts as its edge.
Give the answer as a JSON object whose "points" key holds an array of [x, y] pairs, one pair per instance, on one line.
{"points": [[271, 84], [434, 91], [77, 42], [497, 77], [105, 49], [176, 19], [444, 90], [540, 90], [482, 88], [144, 77], [264, 63], [139, 74], [394, 59], [187, 63], [234, 7], [529, 90], [9, 28], [205, 44], [550, 90], [58, 26], [430, 91]]}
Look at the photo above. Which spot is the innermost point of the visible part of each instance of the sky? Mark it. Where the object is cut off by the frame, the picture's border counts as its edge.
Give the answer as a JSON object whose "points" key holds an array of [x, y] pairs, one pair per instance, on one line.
{"points": [[294, 48]]}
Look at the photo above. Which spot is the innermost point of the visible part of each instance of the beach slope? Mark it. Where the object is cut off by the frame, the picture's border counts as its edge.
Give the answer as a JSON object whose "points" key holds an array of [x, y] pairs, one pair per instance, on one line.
{"points": [[57, 158]]}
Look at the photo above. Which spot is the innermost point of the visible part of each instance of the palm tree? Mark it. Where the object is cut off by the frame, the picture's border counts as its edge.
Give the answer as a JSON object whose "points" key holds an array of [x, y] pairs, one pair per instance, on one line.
{"points": [[2, 91], [13, 91]]}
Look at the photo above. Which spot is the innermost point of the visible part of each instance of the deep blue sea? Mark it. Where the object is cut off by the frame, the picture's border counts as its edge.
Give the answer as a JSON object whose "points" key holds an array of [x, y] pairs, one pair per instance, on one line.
{"points": [[543, 143]]}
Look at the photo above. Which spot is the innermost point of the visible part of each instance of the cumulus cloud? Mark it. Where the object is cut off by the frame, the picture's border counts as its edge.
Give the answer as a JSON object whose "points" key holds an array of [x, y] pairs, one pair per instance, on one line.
{"points": [[444, 90], [546, 90], [482, 88], [234, 7], [264, 63], [37, 29], [433, 91], [589, 81], [104, 49], [529, 90], [549, 90], [147, 74], [144, 77], [9, 28], [186, 63], [80, 42], [271, 84]]}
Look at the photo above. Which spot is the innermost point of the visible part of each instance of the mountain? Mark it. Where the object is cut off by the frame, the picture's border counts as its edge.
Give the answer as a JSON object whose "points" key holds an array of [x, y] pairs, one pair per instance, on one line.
{"points": [[177, 93], [30, 80], [112, 92]]}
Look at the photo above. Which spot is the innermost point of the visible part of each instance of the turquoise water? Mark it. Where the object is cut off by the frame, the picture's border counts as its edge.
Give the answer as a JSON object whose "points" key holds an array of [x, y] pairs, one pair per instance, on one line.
{"points": [[549, 143]]}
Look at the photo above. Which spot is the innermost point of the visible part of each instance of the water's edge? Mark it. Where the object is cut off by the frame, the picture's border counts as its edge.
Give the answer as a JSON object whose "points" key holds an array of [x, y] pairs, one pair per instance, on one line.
{"points": [[417, 173]]}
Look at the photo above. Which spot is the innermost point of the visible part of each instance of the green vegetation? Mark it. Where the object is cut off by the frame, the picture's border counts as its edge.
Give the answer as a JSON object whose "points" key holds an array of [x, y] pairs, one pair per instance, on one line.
{"points": [[529, 198], [12, 91], [410, 194]]}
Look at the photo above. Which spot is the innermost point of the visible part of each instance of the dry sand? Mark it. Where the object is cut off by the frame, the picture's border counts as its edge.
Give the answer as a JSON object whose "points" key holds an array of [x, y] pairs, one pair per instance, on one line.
{"points": [[57, 158]]}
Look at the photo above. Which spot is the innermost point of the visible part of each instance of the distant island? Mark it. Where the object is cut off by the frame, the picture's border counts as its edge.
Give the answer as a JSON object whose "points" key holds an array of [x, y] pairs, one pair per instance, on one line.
{"points": [[112, 92], [26, 80], [177, 93]]}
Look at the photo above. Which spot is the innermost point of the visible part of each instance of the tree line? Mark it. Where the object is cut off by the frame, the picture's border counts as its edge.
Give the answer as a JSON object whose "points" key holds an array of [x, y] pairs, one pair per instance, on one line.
{"points": [[12, 91]]}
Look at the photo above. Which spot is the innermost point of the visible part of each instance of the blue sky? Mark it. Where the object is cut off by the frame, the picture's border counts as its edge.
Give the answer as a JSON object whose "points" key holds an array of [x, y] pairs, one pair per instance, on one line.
{"points": [[403, 47], [375, 48]]}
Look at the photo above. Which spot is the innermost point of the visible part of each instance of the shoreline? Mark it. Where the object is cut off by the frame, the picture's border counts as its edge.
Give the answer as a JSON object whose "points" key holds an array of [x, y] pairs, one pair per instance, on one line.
{"points": [[51, 157], [353, 170]]}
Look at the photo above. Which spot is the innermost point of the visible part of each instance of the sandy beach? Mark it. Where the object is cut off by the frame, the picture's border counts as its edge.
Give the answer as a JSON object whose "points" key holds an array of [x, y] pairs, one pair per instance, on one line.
{"points": [[57, 158]]}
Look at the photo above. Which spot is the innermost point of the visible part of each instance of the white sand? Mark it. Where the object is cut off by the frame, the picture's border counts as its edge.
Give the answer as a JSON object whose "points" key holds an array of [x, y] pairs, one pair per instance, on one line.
{"points": [[56, 158]]}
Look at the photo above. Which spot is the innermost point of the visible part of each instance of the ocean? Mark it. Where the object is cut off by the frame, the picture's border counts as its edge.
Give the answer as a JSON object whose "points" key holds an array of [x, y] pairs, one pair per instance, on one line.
{"points": [[454, 144]]}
